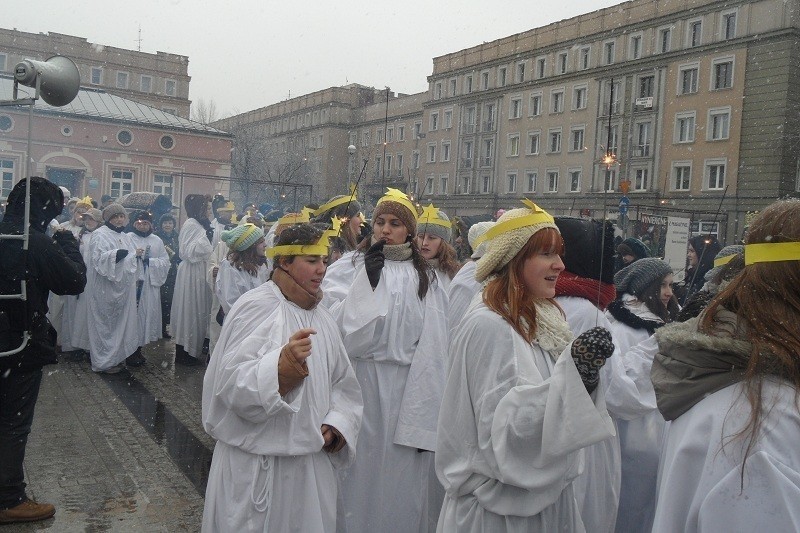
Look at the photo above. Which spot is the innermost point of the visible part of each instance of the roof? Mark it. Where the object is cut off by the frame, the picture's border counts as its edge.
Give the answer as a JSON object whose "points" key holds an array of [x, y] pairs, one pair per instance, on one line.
{"points": [[98, 104]]}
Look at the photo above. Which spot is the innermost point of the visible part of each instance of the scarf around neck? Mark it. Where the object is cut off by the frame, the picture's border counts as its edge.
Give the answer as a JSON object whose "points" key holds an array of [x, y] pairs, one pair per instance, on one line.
{"points": [[622, 313], [552, 330], [294, 292], [569, 284], [396, 252]]}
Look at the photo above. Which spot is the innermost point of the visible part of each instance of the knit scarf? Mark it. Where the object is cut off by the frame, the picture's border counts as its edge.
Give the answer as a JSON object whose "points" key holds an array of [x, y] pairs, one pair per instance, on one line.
{"points": [[293, 291], [620, 311], [595, 291], [396, 252], [552, 331]]}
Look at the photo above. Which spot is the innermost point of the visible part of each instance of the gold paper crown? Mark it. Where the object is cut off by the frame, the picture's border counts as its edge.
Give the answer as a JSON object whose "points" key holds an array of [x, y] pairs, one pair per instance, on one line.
{"points": [[321, 247], [334, 203], [296, 218], [229, 206], [724, 260], [768, 252], [86, 200], [430, 215], [395, 195], [537, 216]]}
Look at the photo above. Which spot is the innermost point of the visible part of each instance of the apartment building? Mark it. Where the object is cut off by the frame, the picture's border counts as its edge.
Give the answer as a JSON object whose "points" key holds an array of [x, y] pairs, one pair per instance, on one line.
{"points": [[696, 100], [159, 80]]}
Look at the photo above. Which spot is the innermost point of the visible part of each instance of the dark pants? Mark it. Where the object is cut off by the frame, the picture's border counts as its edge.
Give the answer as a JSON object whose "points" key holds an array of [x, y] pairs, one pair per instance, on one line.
{"points": [[19, 390]]}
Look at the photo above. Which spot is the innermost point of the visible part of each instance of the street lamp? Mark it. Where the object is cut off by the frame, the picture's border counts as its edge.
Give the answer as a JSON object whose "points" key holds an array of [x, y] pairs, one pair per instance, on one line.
{"points": [[351, 150]]}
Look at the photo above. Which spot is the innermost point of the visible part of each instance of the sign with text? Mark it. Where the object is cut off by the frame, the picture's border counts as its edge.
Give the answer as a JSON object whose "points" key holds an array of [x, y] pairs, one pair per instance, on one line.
{"points": [[675, 244]]}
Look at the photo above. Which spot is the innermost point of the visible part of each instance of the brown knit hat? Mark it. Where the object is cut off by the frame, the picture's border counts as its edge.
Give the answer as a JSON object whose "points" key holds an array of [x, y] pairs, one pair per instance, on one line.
{"points": [[396, 203]]}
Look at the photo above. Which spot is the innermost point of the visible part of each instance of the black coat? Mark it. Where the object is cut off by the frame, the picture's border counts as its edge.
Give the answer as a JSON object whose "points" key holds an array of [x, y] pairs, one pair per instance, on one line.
{"points": [[50, 265]]}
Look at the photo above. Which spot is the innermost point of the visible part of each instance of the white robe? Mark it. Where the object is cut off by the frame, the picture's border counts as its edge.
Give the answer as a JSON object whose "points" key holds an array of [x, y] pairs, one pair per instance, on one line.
{"points": [[79, 326], [462, 289], [113, 327], [700, 486], [233, 283], [191, 303], [215, 260], [269, 472], [641, 435], [397, 344], [154, 276], [597, 487], [512, 429]]}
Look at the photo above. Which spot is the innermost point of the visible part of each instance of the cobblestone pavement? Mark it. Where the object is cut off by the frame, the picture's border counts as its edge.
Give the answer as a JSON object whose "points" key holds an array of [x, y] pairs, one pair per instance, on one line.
{"points": [[123, 452]]}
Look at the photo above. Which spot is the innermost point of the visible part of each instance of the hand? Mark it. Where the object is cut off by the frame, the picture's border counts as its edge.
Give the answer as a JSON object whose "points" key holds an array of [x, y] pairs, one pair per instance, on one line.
{"points": [[334, 441], [214, 272], [373, 263], [590, 351], [299, 345], [139, 252]]}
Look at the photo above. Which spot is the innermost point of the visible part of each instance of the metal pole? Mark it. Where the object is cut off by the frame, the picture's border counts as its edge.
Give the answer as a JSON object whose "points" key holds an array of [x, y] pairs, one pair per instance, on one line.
{"points": [[383, 161]]}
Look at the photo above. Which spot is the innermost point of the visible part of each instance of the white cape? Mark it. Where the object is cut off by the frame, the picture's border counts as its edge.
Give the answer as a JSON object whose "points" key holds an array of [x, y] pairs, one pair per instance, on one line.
{"points": [[462, 289], [269, 472], [191, 303]]}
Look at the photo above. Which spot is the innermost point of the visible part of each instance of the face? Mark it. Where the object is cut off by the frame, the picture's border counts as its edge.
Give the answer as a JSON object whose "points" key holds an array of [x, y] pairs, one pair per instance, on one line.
{"points": [[355, 224], [307, 271], [209, 212], [224, 216], [261, 245], [142, 225], [119, 220], [540, 273], [428, 245], [90, 223], [692, 255], [389, 229], [77, 215], [666, 290], [167, 226], [627, 259]]}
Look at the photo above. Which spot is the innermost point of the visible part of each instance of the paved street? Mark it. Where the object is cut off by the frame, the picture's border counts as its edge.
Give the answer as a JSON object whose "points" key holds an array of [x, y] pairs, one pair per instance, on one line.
{"points": [[123, 452]]}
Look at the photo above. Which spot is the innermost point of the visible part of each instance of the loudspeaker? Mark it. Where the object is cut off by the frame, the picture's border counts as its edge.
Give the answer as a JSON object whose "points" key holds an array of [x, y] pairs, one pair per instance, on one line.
{"points": [[59, 79]]}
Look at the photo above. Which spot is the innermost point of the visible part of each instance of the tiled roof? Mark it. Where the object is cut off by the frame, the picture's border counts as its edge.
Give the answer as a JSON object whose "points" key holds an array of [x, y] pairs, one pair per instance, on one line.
{"points": [[99, 104]]}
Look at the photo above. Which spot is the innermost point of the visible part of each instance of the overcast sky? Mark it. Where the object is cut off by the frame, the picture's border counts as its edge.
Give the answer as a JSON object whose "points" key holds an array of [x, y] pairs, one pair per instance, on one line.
{"points": [[245, 54]]}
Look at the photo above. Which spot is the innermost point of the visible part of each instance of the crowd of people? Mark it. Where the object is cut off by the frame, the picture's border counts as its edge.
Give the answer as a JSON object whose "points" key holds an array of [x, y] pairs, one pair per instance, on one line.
{"points": [[528, 373]]}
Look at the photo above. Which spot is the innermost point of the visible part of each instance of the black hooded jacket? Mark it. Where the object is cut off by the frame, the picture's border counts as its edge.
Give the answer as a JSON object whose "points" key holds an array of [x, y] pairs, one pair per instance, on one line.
{"points": [[50, 265]]}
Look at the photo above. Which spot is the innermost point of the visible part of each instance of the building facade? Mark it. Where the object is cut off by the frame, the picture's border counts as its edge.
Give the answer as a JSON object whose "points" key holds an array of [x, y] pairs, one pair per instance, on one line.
{"points": [[159, 80], [696, 102]]}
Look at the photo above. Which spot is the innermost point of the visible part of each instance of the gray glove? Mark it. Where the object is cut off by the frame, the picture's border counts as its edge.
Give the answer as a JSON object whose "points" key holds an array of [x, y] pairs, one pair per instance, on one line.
{"points": [[590, 351]]}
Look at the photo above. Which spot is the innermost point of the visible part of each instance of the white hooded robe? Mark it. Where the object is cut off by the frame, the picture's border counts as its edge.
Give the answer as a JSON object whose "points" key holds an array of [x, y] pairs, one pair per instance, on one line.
{"points": [[153, 275]]}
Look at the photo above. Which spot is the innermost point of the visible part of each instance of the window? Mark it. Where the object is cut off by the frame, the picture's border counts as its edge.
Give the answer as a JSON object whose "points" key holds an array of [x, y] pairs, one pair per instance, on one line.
{"points": [[146, 84], [365, 138], [513, 144], [520, 75], [389, 135], [533, 142], [643, 138], [484, 80], [468, 83], [169, 87], [575, 179], [665, 40], [531, 175], [399, 159], [121, 182], [612, 95], [429, 185], [433, 123], [682, 176], [6, 177], [417, 130], [401, 133], [729, 25], [437, 90], [541, 67], [122, 80], [635, 51], [468, 155], [167, 142], [557, 101], [388, 163], [378, 167], [552, 180], [6, 123], [554, 144], [610, 178], [488, 152], [453, 86], [723, 74], [162, 184], [511, 181], [448, 119], [125, 138], [641, 179], [646, 86], [584, 57], [431, 153], [463, 185], [695, 36], [562, 62], [579, 97], [576, 136], [501, 76], [608, 52], [684, 127], [515, 108], [488, 115], [486, 184], [443, 183], [3, 58], [719, 123], [535, 107], [715, 174], [469, 119], [612, 143], [415, 159], [688, 79], [97, 76], [445, 151]]}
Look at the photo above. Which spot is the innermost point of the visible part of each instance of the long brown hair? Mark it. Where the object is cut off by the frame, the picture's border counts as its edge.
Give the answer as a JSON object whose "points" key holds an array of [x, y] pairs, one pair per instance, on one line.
{"points": [[448, 259], [248, 260], [650, 296], [507, 296], [766, 298]]}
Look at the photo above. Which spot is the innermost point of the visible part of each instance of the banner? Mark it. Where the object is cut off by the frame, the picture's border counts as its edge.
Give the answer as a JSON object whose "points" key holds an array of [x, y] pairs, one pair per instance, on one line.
{"points": [[676, 244]]}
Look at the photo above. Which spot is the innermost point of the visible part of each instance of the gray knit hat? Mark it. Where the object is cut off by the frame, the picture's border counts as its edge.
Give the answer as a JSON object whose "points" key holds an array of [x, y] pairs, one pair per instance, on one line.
{"points": [[434, 221], [637, 276], [726, 253], [113, 209]]}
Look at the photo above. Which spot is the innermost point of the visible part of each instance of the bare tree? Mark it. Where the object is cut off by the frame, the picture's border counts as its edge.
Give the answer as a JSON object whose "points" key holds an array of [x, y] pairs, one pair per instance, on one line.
{"points": [[204, 111]]}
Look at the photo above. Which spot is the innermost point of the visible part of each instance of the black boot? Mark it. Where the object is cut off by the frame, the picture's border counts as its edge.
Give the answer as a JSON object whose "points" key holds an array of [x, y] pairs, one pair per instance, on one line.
{"points": [[183, 358], [136, 358]]}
